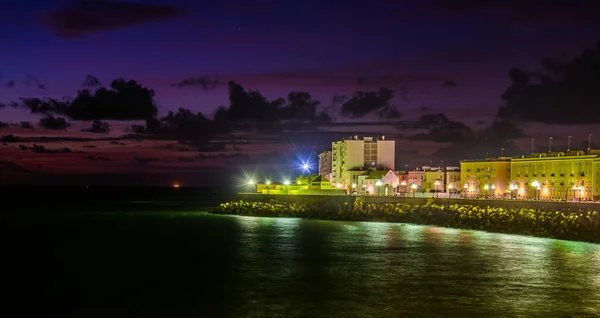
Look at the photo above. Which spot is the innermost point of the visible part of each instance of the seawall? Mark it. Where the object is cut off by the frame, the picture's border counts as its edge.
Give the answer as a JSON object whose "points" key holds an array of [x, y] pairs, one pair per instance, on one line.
{"points": [[569, 221], [507, 204]]}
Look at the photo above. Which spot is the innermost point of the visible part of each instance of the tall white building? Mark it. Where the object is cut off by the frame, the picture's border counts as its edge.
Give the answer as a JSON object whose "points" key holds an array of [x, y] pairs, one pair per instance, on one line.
{"points": [[360, 154], [325, 164]]}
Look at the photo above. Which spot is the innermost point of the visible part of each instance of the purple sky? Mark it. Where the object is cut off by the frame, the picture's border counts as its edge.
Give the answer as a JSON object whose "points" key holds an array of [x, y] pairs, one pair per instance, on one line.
{"points": [[322, 47], [275, 46]]}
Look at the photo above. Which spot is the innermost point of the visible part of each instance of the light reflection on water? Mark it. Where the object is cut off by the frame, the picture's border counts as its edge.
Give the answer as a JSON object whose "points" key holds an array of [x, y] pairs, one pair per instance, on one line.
{"points": [[312, 267]]}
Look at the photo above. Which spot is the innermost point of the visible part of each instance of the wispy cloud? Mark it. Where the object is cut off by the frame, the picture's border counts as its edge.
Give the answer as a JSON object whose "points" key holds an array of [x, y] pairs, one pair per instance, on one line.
{"points": [[87, 17]]}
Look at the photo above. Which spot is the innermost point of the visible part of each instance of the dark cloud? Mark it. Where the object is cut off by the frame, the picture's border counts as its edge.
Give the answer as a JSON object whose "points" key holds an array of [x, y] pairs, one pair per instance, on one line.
{"points": [[98, 127], [91, 81], [204, 82], [124, 100], [54, 123], [94, 158], [511, 12], [85, 17], [364, 103], [563, 93], [442, 129], [450, 84], [9, 138], [143, 161], [26, 125], [32, 81], [41, 149]]}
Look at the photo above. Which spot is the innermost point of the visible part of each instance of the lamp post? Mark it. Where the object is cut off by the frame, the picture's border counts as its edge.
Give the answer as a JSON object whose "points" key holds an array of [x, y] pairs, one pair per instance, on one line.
{"points": [[449, 190], [403, 184], [512, 188], [486, 188], [378, 184], [437, 184], [536, 186], [414, 189], [493, 191], [353, 188], [268, 183], [466, 189], [286, 183], [251, 184]]}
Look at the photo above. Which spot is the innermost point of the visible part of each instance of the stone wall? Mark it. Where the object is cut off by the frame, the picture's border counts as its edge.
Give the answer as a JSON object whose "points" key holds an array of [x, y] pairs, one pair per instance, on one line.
{"points": [[420, 201]]}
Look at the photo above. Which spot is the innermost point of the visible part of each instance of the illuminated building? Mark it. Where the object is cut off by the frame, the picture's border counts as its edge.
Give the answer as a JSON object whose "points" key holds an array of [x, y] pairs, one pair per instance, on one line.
{"points": [[440, 180], [377, 182], [325, 164], [557, 176], [485, 178], [416, 177], [356, 154]]}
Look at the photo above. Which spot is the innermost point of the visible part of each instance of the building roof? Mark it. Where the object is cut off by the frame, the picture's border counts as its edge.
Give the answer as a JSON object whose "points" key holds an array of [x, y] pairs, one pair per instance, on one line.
{"points": [[320, 179], [375, 174]]}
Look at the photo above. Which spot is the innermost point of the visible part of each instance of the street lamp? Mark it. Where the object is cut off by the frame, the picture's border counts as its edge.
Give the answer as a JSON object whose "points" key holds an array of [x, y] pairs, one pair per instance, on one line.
{"points": [[268, 182], [414, 188], [536, 185], [286, 183], [493, 191], [353, 188], [378, 184], [437, 184], [251, 183], [512, 187], [403, 184], [449, 190], [466, 187], [486, 188]]}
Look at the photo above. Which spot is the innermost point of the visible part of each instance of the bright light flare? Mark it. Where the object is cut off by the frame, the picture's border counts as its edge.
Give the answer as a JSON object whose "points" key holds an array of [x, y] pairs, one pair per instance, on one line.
{"points": [[286, 182], [176, 185], [250, 182]]}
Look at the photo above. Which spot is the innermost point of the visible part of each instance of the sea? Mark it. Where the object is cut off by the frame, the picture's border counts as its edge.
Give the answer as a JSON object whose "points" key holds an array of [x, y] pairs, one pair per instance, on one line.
{"points": [[156, 252]]}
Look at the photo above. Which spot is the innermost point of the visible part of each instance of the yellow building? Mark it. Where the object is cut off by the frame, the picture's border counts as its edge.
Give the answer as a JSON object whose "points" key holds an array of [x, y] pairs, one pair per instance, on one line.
{"points": [[557, 176], [434, 181], [355, 154], [485, 178]]}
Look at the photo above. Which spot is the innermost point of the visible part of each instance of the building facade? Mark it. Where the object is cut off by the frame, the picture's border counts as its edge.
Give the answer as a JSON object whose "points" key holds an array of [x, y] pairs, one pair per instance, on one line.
{"points": [[488, 178], [325, 164], [356, 154], [556, 176]]}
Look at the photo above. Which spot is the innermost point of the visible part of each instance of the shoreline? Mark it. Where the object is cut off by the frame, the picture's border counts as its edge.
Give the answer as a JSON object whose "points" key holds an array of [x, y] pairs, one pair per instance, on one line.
{"points": [[564, 224]]}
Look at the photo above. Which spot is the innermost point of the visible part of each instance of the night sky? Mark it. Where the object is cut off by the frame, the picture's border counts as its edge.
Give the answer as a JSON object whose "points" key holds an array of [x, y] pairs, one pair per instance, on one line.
{"points": [[442, 55]]}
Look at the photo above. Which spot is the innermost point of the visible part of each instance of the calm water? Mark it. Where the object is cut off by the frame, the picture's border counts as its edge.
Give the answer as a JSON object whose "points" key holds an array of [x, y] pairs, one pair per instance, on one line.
{"points": [[195, 264]]}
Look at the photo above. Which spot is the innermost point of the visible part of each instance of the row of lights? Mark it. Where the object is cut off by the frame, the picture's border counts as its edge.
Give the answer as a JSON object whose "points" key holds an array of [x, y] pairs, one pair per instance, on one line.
{"points": [[267, 182]]}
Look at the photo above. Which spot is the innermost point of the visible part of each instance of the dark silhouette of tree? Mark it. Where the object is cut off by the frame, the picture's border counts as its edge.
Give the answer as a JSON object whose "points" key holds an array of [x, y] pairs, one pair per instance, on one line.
{"points": [[363, 103], [3, 125], [54, 123], [563, 93], [99, 127]]}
